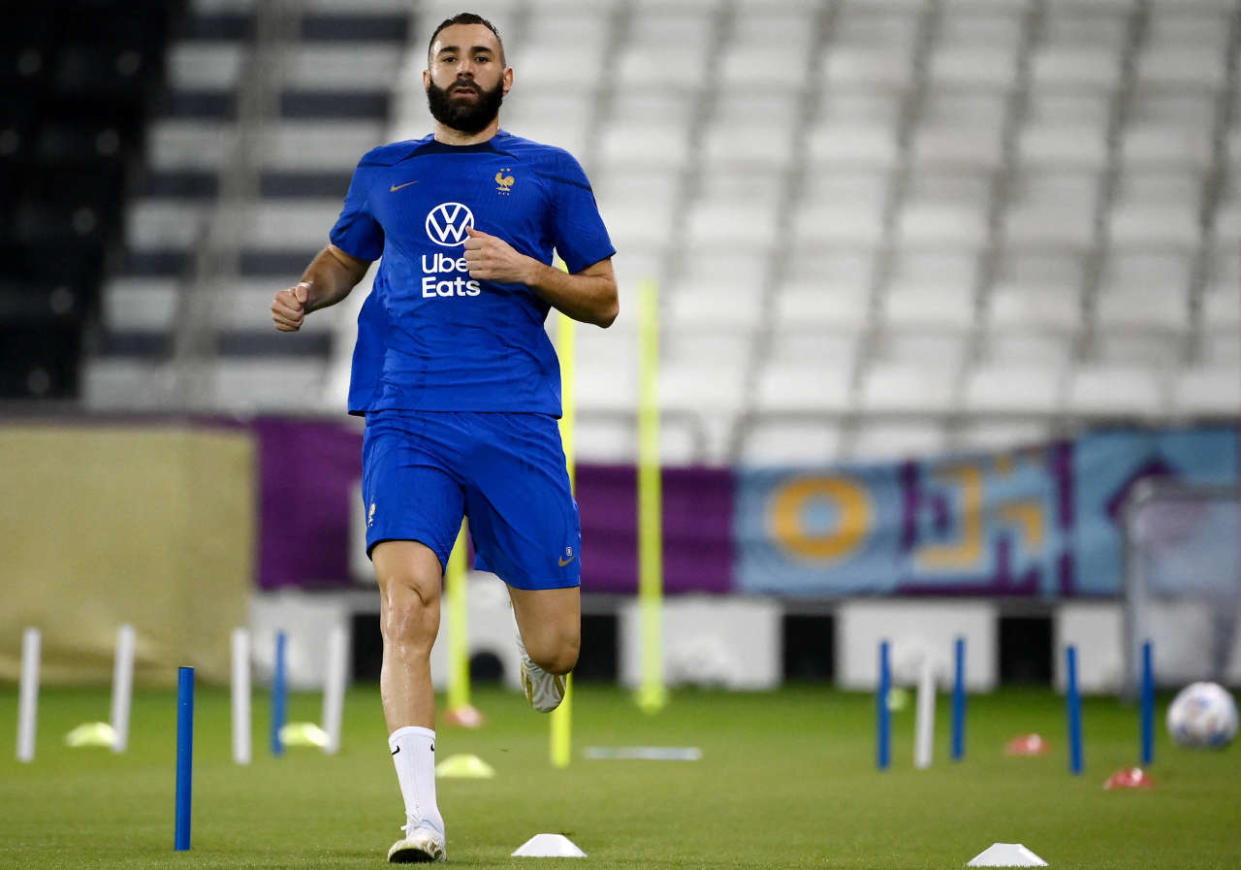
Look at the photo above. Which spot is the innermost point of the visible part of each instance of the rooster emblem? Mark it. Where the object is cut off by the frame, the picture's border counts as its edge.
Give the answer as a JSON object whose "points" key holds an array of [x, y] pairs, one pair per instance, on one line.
{"points": [[505, 182]]}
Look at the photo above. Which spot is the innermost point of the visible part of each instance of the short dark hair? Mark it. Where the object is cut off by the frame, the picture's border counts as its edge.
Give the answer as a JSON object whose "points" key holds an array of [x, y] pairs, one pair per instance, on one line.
{"points": [[467, 18]]}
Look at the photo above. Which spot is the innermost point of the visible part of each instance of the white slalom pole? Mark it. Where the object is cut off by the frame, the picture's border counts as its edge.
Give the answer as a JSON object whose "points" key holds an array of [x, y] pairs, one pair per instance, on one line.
{"points": [[334, 688], [924, 724], [28, 696], [122, 687], [241, 696]]}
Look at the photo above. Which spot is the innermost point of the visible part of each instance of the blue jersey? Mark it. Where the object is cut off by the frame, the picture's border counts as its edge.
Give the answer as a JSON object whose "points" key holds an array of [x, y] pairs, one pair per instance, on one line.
{"points": [[430, 337]]}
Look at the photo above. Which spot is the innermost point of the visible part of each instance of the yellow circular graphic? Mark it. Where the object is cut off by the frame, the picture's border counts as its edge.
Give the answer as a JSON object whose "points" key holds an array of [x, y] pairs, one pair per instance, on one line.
{"points": [[788, 508]]}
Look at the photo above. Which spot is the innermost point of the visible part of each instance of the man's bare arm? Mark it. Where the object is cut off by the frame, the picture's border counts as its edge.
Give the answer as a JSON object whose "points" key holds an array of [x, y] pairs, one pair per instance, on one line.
{"points": [[327, 280], [589, 295]]}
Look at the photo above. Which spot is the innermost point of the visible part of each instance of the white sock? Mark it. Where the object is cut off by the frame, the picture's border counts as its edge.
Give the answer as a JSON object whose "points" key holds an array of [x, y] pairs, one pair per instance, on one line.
{"points": [[413, 755]]}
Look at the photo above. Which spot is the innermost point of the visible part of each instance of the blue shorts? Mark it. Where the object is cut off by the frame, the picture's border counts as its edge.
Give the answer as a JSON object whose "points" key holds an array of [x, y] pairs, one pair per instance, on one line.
{"points": [[423, 470]]}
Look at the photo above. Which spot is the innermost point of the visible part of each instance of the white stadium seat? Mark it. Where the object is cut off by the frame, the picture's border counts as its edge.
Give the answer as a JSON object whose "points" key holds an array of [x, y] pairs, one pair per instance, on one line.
{"points": [[927, 304], [163, 223], [791, 442], [140, 304], [846, 65], [1084, 66], [808, 386], [831, 306], [642, 64], [349, 66], [204, 66], [1100, 390], [938, 223], [183, 144], [650, 146], [715, 305], [852, 145], [120, 383], [730, 224], [301, 224], [1055, 306], [885, 441], [1207, 390], [925, 388], [1010, 388], [320, 145], [858, 224]]}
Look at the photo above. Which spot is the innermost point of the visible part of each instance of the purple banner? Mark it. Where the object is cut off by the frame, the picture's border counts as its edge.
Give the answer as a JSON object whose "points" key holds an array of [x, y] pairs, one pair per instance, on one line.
{"points": [[697, 527], [306, 487]]}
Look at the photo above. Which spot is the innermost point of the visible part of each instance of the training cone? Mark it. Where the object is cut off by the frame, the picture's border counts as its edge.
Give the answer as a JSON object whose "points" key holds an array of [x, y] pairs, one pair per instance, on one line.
{"points": [[1027, 744], [548, 846], [466, 716], [464, 767], [1006, 855], [1129, 777], [91, 734], [303, 734]]}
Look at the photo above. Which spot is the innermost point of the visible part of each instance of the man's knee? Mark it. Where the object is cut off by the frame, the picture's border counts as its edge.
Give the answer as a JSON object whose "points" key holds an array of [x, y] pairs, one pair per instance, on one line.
{"points": [[410, 612], [556, 652]]}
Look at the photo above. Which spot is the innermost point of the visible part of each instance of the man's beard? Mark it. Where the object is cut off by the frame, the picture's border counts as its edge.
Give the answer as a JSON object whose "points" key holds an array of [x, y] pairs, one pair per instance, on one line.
{"points": [[465, 117]]}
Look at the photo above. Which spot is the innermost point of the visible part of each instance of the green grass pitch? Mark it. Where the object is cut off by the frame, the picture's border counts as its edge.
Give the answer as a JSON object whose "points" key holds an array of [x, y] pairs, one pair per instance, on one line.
{"points": [[787, 780]]}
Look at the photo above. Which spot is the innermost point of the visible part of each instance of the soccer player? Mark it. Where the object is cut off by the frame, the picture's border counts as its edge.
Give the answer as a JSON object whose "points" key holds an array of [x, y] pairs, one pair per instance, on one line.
{"points": [[459, 383]]}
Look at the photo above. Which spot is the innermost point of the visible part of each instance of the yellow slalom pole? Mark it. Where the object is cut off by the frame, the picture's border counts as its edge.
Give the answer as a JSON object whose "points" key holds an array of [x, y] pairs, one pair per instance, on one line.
{"points": [[459, 711], [652, 694], [562, 716]]}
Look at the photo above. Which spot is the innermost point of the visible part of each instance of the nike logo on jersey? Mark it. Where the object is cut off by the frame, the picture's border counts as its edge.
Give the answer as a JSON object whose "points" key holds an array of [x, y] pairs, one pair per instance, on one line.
{"points": [[569, 557], [394, 188], [395, 751]]}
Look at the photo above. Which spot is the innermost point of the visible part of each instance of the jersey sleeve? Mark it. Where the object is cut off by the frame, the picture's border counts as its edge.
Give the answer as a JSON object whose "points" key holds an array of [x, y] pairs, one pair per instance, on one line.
{"points": [[356, 232], [578, 232]]}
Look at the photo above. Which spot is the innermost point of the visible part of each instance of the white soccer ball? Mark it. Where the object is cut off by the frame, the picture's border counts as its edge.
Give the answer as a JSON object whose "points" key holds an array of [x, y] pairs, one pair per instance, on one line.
{"points": [[1203, 715]]}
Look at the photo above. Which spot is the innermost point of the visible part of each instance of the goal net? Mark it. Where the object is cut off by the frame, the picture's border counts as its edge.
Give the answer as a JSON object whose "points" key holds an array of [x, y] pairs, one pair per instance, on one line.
{"points": [[1182, 582]]}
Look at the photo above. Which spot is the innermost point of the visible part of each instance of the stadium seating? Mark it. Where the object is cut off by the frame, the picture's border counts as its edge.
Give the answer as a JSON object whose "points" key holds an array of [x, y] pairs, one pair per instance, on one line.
{"points": [[876, 228], [249, 157], [76, 78]]}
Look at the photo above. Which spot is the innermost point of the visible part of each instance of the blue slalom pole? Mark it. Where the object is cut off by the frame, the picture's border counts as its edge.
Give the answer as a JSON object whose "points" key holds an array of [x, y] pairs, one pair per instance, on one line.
{"points": [[883, 713], [1148, 705], [185, 756], [279, 697], [1073, 699], [958, 702]]}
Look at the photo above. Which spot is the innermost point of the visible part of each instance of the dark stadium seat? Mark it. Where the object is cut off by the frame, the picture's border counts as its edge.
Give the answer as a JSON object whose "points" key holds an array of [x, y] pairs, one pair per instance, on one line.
{"points": [[77, 78]]}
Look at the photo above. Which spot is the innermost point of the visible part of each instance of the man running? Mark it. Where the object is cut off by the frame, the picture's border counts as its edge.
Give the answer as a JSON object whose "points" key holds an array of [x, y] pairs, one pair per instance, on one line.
{"points": [[459, 383]]}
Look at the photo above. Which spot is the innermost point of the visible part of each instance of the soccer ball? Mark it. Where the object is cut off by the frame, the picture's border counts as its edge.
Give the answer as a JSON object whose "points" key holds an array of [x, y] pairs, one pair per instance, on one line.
{"points": [[1203, 715]]}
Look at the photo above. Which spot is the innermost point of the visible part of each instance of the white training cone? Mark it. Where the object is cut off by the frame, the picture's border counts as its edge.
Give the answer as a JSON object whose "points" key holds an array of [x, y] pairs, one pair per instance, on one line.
{"points": [[1006, 855], [548, 846]]}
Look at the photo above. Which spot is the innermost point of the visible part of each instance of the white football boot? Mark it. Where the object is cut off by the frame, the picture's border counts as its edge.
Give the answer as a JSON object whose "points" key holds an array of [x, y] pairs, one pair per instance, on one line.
{"points": [[422, 844], [544, 691]]}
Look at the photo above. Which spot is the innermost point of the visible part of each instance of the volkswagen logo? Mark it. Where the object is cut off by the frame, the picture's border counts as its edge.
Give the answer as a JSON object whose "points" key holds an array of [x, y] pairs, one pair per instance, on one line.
{"points": [[447, 224]]}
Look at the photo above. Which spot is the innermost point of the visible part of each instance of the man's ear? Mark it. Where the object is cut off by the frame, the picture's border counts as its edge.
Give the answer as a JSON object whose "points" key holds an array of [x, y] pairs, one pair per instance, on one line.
{"points": [[426, 80], [507, 80]]}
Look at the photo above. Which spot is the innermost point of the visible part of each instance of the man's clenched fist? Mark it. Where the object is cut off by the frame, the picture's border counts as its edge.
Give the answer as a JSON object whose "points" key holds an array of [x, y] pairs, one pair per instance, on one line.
{"points": [[288, 310]]}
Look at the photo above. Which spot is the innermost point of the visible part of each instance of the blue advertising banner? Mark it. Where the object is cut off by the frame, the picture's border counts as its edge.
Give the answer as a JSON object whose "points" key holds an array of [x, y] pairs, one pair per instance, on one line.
{"points": [[1041, 522]]}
